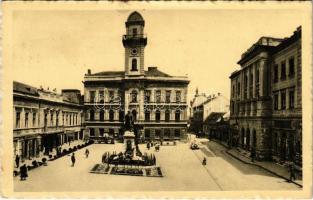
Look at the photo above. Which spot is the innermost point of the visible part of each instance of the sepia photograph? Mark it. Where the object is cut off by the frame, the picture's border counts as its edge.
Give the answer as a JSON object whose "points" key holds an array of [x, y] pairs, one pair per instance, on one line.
{"points": [[192, 98]]}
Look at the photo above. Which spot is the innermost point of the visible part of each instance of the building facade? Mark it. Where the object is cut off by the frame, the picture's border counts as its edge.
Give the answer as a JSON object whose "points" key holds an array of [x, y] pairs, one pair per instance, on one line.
{"points": [[44, 119], [265, 106], [202, 107], [156, 100]]}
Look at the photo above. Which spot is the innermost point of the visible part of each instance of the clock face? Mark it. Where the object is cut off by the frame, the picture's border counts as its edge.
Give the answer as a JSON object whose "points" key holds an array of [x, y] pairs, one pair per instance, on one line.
{"points": [[134, 51]]}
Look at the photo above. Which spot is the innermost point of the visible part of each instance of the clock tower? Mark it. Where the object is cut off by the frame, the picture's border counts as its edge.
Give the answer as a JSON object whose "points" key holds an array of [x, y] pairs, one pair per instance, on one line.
{"points": [[134, 43]]}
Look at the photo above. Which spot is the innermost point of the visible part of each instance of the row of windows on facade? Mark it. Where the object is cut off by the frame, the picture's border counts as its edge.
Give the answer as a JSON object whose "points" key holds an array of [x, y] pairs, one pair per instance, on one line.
{"points": [[283, 71], [147, 132], [248, 87], [283, 75], [70, 119], [134, 114], [283, 100], [134, 96]]}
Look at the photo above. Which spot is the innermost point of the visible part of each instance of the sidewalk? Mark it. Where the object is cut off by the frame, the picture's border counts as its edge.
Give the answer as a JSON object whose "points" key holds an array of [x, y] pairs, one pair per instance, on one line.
{"points": [[271, 167], [66, 146]]}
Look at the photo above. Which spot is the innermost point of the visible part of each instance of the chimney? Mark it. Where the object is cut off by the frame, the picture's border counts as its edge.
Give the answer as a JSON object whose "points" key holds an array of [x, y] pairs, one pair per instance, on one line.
{"points": [[89, 71], [152, 68]]}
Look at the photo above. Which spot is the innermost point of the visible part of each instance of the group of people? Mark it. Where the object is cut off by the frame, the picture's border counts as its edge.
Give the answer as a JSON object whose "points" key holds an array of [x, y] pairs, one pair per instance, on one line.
{"points": [[151, 144]]}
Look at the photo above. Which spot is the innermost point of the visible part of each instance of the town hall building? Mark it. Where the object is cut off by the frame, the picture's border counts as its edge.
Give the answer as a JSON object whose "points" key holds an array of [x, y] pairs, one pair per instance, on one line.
{"points": [[156, 101]]}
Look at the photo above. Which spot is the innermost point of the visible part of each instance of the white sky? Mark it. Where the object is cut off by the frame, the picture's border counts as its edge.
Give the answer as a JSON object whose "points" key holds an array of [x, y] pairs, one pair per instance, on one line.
{"points": [[55, 48]]}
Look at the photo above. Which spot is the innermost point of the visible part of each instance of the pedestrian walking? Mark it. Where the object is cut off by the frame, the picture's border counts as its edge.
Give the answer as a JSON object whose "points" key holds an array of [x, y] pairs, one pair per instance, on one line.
{"points": [[17, 161], [87, 153], [204, 161], [23, 172], [292, 172], [73, 159]]}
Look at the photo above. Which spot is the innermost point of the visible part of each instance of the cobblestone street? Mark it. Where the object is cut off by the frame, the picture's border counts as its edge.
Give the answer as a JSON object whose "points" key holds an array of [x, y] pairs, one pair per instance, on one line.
{"points": [[182, 171]]}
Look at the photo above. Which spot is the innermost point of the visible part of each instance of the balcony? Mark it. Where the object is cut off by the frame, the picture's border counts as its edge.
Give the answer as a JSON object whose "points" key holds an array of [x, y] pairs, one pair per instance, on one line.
{"points": [[134, 40]]}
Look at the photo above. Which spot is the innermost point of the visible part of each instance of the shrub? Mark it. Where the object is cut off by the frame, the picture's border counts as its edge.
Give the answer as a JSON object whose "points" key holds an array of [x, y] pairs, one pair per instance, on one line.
{"points": [[75, 148], [55, 157], [50, 156], [29, 167], [44, 160], [35, 164], [70, 150]]}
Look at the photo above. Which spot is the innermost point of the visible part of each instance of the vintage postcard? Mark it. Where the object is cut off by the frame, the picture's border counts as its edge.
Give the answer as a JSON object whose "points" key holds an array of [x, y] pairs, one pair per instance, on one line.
{"points": [[156, 99]]}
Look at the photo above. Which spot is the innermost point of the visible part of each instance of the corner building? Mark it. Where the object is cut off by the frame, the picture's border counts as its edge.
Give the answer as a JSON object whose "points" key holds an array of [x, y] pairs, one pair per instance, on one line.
{"points": [[266, 106], [157, 101]]}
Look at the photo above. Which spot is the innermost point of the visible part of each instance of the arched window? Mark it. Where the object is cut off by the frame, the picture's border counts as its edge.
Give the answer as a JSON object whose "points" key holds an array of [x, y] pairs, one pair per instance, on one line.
{"points": [[157, 115], [167, 115], [111, 115], [101, 115], [177, 115], [133, 97], [134, 64], [92, 115]]}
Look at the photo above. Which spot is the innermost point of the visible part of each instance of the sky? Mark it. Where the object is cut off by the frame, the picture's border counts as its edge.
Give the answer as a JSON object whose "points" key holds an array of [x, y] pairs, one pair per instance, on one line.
{"points": [[54, 48]]}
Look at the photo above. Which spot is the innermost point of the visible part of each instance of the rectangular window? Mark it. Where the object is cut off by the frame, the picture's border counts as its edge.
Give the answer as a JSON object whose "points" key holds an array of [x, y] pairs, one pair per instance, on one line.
{"points": [[57, 119], [17, 119], [157, 133], [177, 133], [238, 89], [46, 120], [92, 132], [92, 96], [178, 96], [101, 132], [283, 71], [291, 99], [111, 96], [158, 96], [233, 91], [147, 116], [275, 101], [26, 120], [147, 96], [168, 96], [134, 31], [167, 133], [283, 100], [157, 115], [101, 96], [34, 119], [276, 73], [147, 133], [291, 67]]}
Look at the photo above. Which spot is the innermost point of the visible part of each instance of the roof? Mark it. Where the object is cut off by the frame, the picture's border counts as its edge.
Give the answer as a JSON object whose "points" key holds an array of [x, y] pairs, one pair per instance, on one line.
{"points": [[151, 72], [108, 73], [134, 17], [290, 40], [263, 44], [25, 89], [154, 72], [214, 117]]}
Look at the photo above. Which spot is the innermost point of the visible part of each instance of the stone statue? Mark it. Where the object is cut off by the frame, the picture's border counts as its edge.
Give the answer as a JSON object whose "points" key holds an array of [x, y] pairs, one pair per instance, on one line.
{"points": [[129, 121]]}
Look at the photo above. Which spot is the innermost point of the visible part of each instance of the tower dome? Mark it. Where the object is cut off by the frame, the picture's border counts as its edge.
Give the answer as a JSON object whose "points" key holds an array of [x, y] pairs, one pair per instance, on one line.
{"points": [[135, 18]]}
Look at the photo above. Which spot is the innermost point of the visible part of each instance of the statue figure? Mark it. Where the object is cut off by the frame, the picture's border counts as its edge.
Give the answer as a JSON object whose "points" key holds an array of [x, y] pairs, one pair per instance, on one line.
{"points": [[129, 121]]}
